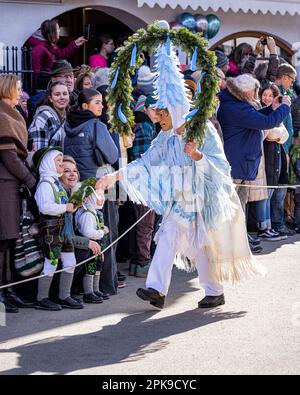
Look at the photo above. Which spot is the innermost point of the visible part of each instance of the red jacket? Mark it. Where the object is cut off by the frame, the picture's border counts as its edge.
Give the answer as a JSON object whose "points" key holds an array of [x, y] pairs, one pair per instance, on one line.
{"points": [[44, 53]]}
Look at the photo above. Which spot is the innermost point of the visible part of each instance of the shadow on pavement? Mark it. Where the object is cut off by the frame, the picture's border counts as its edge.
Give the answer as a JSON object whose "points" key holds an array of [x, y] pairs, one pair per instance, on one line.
{"points": [[131, 339], [30, 321], [271, 246]]}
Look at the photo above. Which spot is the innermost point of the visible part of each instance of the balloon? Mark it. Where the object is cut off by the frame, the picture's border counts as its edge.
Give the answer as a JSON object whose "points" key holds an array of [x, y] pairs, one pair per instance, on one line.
{"points": [[201, 23], [214, 24], [165, 24], [175, 25], [187, 20]]}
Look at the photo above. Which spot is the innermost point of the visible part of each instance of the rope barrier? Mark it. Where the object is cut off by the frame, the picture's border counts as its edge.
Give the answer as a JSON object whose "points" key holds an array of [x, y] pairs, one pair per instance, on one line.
{"points": [[132, 226], [268, 186], [80, 263]]}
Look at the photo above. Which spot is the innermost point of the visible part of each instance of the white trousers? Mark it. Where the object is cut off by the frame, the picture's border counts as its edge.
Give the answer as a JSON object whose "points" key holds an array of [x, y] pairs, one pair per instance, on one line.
{"points": [[160, 271]]}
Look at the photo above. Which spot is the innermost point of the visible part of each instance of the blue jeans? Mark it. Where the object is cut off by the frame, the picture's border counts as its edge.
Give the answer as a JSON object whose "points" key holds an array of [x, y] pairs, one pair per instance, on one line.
{"points": [[263, 212], [277, 208]]}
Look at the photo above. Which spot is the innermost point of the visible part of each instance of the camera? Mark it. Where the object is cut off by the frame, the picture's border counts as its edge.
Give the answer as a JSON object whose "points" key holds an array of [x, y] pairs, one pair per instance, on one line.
{"points": [[264, 41], [280, 99]]}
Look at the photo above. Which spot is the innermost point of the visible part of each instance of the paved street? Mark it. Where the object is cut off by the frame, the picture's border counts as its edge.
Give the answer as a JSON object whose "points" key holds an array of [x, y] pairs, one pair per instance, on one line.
{"points": [[256, 332]]}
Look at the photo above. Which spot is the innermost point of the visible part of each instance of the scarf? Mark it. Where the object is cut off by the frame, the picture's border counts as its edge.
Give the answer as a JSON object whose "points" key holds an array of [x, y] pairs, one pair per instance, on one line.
{"points": [[13, 132], [76, 117]]}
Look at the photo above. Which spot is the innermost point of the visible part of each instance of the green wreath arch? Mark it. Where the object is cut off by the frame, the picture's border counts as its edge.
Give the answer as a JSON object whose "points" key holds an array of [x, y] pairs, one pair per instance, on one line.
{"points": [[121, 116]]}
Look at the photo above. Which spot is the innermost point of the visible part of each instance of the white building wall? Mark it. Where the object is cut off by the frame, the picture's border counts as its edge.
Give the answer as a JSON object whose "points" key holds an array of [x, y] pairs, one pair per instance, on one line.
{"points": [[19, 21]]}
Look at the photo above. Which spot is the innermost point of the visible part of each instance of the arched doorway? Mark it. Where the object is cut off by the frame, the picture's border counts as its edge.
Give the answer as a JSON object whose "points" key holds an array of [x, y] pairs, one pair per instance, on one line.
{"points": [[72, 25], [229, 43]]}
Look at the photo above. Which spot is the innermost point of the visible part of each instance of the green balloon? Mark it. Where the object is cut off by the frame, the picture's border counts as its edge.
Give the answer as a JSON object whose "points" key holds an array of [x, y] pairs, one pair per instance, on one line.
{"points": [[214, 25]]}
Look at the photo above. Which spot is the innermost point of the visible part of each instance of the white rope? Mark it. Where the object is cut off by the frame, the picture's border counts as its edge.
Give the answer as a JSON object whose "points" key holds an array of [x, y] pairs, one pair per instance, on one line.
{"points": [[80, 263], [268, 186], [131, 227]]}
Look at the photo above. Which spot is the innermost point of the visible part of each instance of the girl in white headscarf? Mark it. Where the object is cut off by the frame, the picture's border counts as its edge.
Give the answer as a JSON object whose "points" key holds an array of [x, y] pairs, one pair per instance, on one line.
{"points": [[52, 202]]}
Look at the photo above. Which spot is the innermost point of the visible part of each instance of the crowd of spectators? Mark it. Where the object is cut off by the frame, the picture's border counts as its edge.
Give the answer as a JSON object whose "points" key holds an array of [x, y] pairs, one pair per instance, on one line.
{"points": [[257, 119]]}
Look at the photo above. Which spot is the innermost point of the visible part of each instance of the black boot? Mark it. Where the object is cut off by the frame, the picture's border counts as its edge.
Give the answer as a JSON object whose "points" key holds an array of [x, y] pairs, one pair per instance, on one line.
{"points": [[9, 308], [15, 300], [155, 298]]}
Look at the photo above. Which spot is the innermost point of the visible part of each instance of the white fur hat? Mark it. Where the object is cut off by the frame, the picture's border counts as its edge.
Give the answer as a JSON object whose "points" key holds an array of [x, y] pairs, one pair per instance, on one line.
{"points": [[245, 82], [279, 132]]}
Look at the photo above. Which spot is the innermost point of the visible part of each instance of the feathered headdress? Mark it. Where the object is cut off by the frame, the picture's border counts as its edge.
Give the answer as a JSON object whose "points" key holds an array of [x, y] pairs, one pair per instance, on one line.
{"points": [[170, 90]]}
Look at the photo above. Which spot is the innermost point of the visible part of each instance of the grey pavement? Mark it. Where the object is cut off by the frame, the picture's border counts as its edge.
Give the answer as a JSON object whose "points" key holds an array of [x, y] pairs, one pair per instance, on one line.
{"points": [[257, 331]]}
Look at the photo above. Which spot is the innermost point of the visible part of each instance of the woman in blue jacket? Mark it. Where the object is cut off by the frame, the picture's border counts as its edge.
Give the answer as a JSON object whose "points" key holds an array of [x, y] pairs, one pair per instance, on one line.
{"points": [[85, 134], [242, 126]]}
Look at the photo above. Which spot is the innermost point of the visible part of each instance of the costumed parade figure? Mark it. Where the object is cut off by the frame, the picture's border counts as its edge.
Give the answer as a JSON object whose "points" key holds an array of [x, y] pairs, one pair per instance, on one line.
{"points": [[52, 202], [90, 223], [203, 224]]}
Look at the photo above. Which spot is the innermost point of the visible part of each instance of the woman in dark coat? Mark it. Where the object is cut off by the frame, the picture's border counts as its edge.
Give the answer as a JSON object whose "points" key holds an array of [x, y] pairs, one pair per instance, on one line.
{"points": [[13, 171], [85, 133]]}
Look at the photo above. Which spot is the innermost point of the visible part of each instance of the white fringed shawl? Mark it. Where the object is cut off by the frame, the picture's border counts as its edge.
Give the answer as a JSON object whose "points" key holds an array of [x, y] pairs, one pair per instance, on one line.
{"points": [[201, 200]]}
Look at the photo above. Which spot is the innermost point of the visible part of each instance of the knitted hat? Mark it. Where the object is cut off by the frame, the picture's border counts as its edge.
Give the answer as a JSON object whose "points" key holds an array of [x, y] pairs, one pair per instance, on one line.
{"points": [[145, 80], [222, 59], [140, 104], [190, 82], [39, 155], [101, 77], [150, 101]]}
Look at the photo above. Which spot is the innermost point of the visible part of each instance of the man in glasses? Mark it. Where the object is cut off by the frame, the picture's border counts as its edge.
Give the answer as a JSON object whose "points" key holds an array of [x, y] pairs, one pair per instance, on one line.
{"points": [[286, 76]]}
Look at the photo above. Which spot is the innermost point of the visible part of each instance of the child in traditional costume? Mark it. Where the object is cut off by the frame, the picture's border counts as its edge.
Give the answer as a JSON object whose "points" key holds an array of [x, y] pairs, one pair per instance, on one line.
{"points": [[52, 202], [89, 223], [203, 224]]}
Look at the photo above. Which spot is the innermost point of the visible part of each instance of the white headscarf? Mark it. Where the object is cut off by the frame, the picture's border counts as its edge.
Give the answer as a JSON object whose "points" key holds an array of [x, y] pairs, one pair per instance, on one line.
{"points": [[91, 203], [47, 167]]}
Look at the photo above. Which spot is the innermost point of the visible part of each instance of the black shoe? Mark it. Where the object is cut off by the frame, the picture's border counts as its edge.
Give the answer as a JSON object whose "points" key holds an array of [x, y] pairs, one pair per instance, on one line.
{"points": [[121, 277], [9, 308], [255, 249], [79, 300], [15, 300], [285, 231], [253, 240], [70, 303], [102, 295], [92, 298], [211, 301], [267, 235], [154, 297], [47, 304]]}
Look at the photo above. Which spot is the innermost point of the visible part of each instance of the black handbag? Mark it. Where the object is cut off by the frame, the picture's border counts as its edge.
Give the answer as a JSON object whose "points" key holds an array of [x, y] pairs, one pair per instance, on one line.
{"points": [[98, 157]]}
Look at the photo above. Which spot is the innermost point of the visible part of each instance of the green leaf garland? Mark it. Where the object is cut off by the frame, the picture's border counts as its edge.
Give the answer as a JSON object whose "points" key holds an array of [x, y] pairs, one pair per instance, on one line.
{"points": [[148, 41], [76, 197]]}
